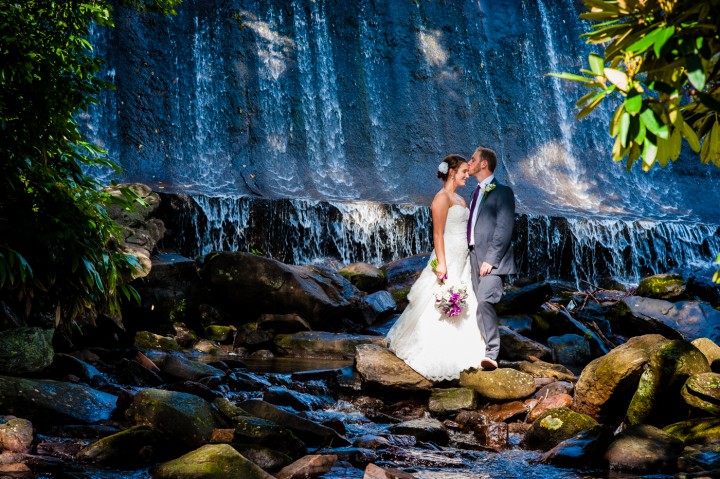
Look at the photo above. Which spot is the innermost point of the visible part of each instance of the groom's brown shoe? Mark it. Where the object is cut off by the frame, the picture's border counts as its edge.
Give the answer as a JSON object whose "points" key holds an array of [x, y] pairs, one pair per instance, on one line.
{"points": [[488, 364]]}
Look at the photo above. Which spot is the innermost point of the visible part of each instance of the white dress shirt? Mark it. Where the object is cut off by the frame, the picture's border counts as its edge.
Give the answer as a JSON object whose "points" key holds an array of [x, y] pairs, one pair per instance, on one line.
{"points": [[473, 220]]}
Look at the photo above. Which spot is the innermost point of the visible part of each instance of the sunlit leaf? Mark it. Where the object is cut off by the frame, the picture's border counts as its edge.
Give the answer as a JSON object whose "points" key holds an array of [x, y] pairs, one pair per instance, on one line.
{"points": [[649, 153], [597, 63], [652, 123], [695, 71], [633, 104], [665, 35], [571, 76], [617, 78], [691, 137], [624, 128]]}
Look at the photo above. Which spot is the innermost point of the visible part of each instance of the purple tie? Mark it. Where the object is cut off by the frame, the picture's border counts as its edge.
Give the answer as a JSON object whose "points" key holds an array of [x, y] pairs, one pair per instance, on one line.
{"points": [[473, 205]]}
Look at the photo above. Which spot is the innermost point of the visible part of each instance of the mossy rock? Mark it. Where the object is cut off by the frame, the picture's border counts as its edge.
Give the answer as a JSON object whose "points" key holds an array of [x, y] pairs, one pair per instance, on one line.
{"points": [[128, 447], [447, 400], [364, 276], [219, 333], [145, 341], [696, 431], [657, 400], [661, 286], [212, 461], [702, 391], [555, 426], [25, 350]]}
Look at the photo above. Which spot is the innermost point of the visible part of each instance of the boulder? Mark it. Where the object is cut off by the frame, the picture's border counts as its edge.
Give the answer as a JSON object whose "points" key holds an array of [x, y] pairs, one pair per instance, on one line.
{"points": [[702, 391], [379, 366], [644, 449], [147, 341], [323, 345], [527, 299], [187, 419], [571, 349], [283, 323], [400, 275], [702, 460], [513, 345], [696, 431], [377, 305], [376, 472], [607, 383], [220, 333], [494, 435], [493, 413], [657, 400], [586, 447], [132, 447], [16, 435], [689, 320], [448, 400], [424, 429], [502, 384], [558, 323], [555, 426], [702, 286], [364, 276], [299, 401], [520, 324], [25, 350], [542, 369], [181, 368], [56, 401], [255, 285], [212, 461], [711, 352], [545, 404], [307, 467], [661, 286], [265, 457]]}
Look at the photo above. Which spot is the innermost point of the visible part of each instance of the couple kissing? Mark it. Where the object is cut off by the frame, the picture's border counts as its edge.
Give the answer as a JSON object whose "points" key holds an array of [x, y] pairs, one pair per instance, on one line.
{"points": [[450, 322]]}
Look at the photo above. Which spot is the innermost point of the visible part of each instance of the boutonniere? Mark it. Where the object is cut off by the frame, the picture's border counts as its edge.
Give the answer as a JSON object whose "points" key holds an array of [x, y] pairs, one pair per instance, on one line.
{"points": [[488, 188]]}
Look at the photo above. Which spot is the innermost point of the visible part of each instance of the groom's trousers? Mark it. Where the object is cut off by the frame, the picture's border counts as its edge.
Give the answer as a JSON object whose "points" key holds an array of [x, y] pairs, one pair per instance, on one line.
{"points": [[488, 291]]}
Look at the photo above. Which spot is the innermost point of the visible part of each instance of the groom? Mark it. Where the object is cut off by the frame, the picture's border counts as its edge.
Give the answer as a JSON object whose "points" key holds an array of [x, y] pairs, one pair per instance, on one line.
{"points": [[490, 229]]}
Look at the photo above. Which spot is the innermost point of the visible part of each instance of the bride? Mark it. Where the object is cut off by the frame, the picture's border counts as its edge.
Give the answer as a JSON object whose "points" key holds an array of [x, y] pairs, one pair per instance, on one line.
{"points": [[435, 345]]}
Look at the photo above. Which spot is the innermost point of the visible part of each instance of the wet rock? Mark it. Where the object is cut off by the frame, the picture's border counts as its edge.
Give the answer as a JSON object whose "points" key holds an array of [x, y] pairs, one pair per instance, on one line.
{"points": [[516, 346], [262, 354], [696, 431], [283, 323], [376, 472], [425, 429], [502, 384], [586, 447], [25, 350], [657, 400], [555, 426], [683, 320], [661, 286], [607, 383], [400, 275], [377, 305], [520, 324], [377, 365], [299, 401], [16, 435], [254, 430], [448, 400], [216, 461], [369, 441], [55, 400], [186, 418], [357, 456], [309, 432], [527, 299], [703, 392], [220, 333], [558, 323], [555, 387], [132, 372], [644, 449], [701, 285], [493, 435], [547, 403], [407, 409], [364, 276], [195, 388], [64, 364], [132, 447], [711, 352], [317, 344], [542, 369], [255, 285], [183, 335], [701, 459], [265, 457], [179, 367], [208, 346], [570, 349], [145, 341], [307, 467], [503, 412]]}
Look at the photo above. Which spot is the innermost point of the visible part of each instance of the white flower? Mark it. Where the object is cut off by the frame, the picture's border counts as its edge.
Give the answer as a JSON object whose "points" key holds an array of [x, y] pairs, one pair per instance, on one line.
{"points": [[443, 168], [488, 188]]}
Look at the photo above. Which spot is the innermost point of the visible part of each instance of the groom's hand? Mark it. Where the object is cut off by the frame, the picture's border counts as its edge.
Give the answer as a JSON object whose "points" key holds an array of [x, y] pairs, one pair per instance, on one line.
{"points": [[485, 269]]}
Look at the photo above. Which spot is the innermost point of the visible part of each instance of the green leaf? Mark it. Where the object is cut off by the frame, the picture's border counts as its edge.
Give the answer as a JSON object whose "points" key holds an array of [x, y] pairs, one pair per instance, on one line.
{"points": [[665, 35], [597, 63], [591, 106], [624, 128], [655, 126], [675, 144], [571, 76], [633, 104], [691, 137], [644, 43], [695, 72], [617, 78], [649, 153]]}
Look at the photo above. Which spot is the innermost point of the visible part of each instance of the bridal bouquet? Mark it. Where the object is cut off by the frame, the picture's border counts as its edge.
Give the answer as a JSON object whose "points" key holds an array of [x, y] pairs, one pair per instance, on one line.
{"points": [[451, 299]]}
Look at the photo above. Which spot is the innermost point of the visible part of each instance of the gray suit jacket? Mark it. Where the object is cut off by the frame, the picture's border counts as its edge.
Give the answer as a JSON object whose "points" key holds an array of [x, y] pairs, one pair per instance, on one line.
{"points": [[494, 229]]}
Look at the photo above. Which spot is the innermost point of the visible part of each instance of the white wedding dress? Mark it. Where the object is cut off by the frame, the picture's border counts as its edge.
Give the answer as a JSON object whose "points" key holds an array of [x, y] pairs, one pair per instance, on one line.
{"points": [[436, 346]]}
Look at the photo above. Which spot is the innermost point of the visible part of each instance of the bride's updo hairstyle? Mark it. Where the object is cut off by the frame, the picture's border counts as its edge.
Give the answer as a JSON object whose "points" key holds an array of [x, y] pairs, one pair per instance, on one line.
{"points": [[450, 162]]}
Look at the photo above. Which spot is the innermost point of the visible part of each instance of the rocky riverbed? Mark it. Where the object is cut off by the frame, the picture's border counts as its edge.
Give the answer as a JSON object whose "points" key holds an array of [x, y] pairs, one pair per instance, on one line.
{"points": [[237, 365]]}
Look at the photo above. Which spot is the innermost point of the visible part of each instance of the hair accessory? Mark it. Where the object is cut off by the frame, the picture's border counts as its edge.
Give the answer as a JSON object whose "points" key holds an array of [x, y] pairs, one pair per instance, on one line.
{"points": [[443, 167]]}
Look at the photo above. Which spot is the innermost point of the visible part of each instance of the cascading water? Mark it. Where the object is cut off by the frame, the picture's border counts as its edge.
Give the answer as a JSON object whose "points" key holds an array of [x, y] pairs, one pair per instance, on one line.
{"points": [[325, 116]]}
